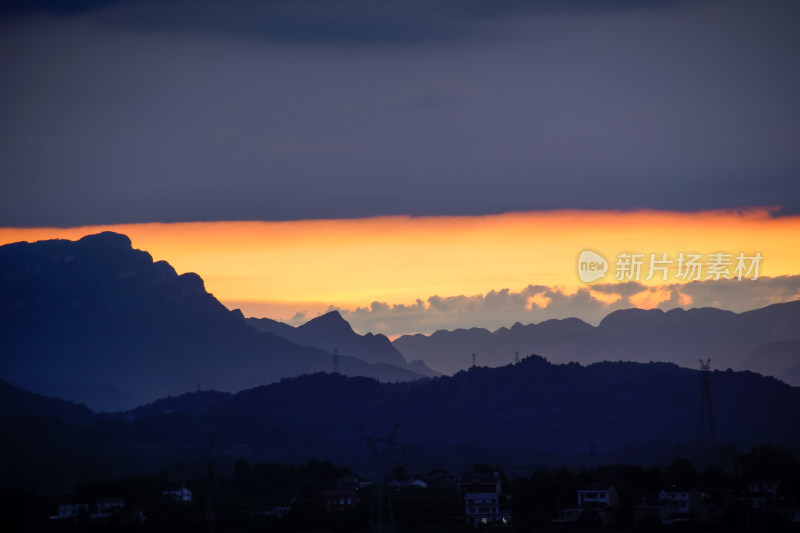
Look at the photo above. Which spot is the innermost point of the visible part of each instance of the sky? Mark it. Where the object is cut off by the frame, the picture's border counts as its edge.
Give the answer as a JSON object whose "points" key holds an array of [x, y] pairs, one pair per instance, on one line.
{"points": [[416, 164]]}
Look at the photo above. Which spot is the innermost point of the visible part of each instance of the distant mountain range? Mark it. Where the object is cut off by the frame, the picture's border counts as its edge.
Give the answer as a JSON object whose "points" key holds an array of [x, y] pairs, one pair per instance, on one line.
{"points": [[780, 359], [764, 340], [98, 322], [332, 333]]}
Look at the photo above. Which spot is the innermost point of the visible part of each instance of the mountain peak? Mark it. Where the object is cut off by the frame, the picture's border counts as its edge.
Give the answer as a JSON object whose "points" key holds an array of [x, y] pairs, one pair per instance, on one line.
{"points": [[332, 333], [108, 239], [623, 318], [332, 321]]}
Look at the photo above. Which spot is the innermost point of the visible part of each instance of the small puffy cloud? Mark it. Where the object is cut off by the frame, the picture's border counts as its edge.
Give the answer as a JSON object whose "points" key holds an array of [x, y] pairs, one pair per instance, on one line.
{"points": [[300, 317], [651, 298], [378, 307]]}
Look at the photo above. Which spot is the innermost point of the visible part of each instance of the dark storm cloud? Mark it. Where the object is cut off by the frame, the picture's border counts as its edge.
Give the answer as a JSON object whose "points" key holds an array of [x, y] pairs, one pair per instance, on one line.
{"points": [[172, 111], [317, 21]]}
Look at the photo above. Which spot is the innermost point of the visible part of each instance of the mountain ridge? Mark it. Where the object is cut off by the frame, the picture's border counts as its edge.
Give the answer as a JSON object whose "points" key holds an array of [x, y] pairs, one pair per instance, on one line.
{"points": [[332, 333], [99, 322], [15, 401], [777, 358], [678, 335], [532, 412], [536, 405]]}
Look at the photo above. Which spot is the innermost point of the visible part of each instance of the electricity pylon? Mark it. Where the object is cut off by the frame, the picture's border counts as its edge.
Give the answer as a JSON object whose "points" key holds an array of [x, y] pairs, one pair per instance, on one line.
{"points": [[380, 450], [706, 425]]}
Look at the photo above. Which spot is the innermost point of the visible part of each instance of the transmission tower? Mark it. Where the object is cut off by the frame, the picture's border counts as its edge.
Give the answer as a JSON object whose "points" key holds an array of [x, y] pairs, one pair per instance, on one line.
{"points": [[706, 425], [212, 497], [380, 450], [335, 360]]}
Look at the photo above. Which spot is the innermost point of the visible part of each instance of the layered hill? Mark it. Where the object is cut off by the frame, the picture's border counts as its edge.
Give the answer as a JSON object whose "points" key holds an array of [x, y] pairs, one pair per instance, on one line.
{"points": [[332, 333], [679, 336], [518, 416], [20, 403], [98, 322], [780, 359], [533, 405], [525, 413]]}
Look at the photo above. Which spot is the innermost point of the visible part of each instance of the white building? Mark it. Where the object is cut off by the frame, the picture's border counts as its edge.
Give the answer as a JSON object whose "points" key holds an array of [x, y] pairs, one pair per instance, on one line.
{"points": [[768, 487], [108, 507], [70, 510], [685, 500], [483, 499], [598, 495], [598, 501], [181, 495]]}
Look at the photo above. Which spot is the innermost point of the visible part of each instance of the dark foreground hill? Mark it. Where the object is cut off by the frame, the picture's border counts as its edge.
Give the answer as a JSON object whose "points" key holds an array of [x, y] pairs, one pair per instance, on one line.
{"points": [[677, 336], [98, 322], [534, 405], [19, 403], [520, 416]]}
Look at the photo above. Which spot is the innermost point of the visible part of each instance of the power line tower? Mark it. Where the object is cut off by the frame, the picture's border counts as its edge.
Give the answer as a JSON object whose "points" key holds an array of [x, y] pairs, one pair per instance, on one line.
{"points": [[706, 425], [335, 360], [380, 450], [212, 497]]}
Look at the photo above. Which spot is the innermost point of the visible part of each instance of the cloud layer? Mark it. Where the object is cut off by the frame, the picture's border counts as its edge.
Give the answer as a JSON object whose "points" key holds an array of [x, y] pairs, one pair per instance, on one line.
{"points": [[292, 22], [123, 111], [538, 303]]}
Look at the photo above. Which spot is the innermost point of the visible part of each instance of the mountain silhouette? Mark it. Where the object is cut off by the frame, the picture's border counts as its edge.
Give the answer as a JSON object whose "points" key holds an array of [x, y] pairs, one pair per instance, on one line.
{"points": [[521, 416], [779, 359], [98, 322], [532, 409], [678, 336], [20, 403], [331, 332]]}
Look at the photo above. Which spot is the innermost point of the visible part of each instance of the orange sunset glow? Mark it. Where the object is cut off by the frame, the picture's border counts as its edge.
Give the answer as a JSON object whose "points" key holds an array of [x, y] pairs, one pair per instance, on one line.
{"points": [[278, 268]]}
